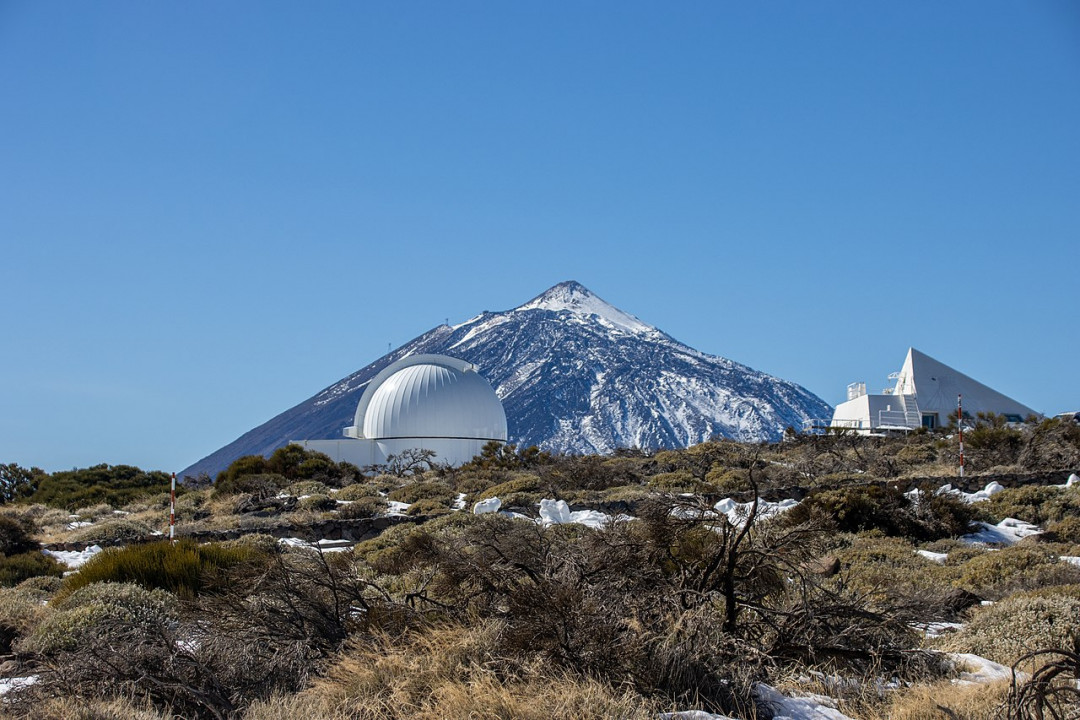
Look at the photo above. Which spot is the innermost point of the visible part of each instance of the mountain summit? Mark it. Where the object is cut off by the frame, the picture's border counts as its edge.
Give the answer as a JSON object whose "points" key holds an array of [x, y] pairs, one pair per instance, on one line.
{"points": [[576, 375]]}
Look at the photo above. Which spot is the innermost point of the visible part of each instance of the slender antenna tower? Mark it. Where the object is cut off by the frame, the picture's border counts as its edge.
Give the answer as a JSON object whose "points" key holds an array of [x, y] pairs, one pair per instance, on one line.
{"points": [[172, 509], [960, 425]]}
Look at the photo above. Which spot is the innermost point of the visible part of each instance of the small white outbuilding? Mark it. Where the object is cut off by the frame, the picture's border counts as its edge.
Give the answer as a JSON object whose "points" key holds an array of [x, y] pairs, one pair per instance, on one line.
{"points": [[924, 394], [422, 402]]}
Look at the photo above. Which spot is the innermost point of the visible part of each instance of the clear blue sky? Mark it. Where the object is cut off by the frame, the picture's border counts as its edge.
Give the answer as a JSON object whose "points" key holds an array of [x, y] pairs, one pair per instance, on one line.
{"points": [[209, 211]]}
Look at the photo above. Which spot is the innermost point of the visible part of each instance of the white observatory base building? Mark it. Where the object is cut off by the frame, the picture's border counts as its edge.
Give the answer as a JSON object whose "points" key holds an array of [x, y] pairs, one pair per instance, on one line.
{"points": [[925, 393], [423, 402]]}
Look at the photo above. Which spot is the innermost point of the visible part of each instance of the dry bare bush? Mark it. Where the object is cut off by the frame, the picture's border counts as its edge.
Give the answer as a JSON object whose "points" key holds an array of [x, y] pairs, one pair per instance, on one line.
{"points": [[1052, 690]]}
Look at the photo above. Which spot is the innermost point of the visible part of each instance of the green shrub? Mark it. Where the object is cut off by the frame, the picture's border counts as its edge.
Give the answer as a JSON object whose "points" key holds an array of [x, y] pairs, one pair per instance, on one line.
{"points": [[21, 608], [415, 492], [116, 485], [16, 568], [15, 535], [116, 531], [1036, 504], [94, 512], [260, 544], [356, 492], [364, 507], [317, 503], [679, 481], [1016, 625], [520, 484], [78, 615], [888, 564], [1066, 530], [308, 487], [184, 567], [627, 494], [883, 507], [260, 485], [429, 506], [995, 573]]}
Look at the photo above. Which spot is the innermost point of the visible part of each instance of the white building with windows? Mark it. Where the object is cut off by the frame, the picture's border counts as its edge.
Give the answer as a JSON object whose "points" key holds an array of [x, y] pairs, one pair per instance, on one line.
{"points": [[423, 402], [924, 394]]}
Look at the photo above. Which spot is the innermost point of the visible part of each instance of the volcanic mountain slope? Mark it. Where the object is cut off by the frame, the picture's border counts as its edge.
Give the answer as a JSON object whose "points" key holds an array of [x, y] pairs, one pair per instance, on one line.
{"points": [[576, 375]]}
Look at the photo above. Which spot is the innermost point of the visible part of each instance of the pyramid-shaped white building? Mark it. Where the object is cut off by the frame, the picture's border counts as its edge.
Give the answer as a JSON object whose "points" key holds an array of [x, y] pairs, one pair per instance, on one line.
{"points": [[924, 395]]}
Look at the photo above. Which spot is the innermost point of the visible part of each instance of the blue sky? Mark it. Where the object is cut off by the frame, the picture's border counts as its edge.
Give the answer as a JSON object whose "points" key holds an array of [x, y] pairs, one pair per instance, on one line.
{"points": [[210, 211]]}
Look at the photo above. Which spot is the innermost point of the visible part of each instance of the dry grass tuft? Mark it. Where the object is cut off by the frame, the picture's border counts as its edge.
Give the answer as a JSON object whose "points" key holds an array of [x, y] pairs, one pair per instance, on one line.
{"points": [[447, 673], [84, 709], [949, 701]]}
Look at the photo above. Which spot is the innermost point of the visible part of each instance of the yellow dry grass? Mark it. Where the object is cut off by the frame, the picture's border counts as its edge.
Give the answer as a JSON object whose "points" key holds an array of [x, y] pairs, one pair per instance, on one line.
{"points": [[449, 673]]}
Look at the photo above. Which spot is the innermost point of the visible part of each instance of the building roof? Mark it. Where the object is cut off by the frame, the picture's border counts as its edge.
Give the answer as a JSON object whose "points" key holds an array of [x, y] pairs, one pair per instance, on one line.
{"points": [[937, 385], [429, 396]]}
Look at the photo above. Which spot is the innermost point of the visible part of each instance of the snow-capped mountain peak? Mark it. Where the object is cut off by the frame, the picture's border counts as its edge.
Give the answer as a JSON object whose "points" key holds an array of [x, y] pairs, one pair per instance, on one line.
{"points": [[575, 374], [574, 298]]}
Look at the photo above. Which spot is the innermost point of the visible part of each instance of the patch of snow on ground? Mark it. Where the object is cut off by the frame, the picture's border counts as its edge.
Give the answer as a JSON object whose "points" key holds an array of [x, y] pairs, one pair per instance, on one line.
{"points": [[1070, 559], [459, 502], [9, 684], [397, 508], [692, 715], [74, 559], [738, 512], [933, 556], [487, 506], [1073, 480], [79, 524], [937, 629], [554, 512], [980, 495], [811, 707], [1007, 532], [325, 545], [557, 512], [981, 669]]}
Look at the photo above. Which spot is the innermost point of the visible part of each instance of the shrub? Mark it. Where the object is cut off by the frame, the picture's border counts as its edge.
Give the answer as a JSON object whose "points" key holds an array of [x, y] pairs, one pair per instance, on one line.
{"points": [[679, 481], [884, 508], [356, 492], [365, 507], [888, 566], [1036, 504], [16, 568], [423, 491], [520, 484], [113, 532], [1017, 625], [78, 615], [317, 503], [259, 485], [1066, 530], [15, 535], [308, 487], [184, 567], [116, 485], [429, 506], [94, 512], [21, 608], [1019, 567], [259, 543]]}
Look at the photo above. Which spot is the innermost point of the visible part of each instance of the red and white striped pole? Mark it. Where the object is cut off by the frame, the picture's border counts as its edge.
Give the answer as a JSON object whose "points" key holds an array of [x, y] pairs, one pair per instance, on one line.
{"points": [[172, 508], [960, 425]]}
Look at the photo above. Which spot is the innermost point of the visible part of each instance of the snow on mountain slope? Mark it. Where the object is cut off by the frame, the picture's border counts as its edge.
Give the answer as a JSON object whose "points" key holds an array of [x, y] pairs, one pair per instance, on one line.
{"points": [[575, 374]]}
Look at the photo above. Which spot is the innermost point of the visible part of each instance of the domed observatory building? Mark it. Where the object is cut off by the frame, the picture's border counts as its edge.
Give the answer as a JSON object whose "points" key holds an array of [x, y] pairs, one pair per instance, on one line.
{"points": [[423, 402]]}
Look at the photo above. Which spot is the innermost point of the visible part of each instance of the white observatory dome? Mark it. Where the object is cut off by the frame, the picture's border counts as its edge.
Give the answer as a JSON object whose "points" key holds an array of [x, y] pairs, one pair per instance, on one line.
{"points": [[429, 396]]}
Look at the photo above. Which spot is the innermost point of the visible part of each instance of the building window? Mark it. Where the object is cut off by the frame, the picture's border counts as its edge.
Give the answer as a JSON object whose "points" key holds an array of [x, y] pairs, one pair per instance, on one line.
{"points": [[929, 421]]}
